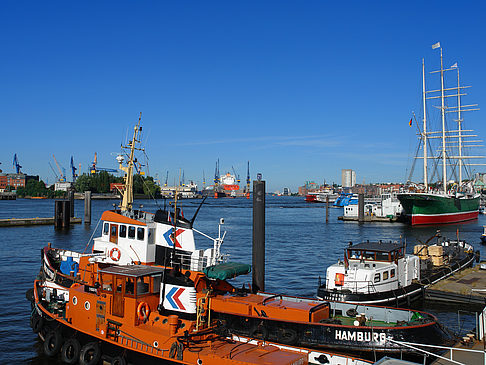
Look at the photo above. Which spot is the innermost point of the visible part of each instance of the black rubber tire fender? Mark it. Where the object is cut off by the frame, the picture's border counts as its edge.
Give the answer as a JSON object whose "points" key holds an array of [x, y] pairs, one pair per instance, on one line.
{"points": [[36, 322], [52, 343], [118, 360], [259, 331], [70, 351], [288, 336], [90, 354]]}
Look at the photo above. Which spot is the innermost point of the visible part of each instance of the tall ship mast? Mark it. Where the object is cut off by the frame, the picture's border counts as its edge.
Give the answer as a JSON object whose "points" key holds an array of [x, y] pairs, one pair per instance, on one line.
{"points": [[448, 202]]}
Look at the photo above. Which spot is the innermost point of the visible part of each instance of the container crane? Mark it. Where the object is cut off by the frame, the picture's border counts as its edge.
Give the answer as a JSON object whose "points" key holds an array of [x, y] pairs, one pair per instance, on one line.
{"points": [[62, 178], [16, 164]]}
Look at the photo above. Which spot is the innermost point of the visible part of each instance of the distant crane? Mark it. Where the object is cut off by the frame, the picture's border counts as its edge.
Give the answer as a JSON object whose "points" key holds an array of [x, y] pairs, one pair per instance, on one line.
{"points": [[216, 173], [94, 169], [236, 175], [73, 169], [166, 178], [16, 164], [53, 171], [248, 181], [62, 178]]}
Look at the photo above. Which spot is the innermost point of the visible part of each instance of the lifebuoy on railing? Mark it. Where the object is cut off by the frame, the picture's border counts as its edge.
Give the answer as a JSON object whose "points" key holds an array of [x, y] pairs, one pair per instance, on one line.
{"points": [[143, 311], [115, 254]]}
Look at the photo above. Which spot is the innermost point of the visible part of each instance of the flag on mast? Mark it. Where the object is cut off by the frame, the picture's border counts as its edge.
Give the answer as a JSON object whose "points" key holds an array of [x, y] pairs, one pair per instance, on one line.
{"points": [[410, 123], [436, 45]]}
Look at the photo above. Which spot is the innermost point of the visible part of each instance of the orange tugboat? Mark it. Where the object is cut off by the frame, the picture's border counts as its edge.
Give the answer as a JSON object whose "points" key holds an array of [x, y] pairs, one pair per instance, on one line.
{"points": [[123, 303], [146, 292]]}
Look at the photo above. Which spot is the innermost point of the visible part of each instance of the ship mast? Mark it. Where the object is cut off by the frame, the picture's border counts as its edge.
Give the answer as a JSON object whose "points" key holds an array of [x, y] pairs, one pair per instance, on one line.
{"points": [[424, 136], [459, 125], [127, 200], [442, 112]]}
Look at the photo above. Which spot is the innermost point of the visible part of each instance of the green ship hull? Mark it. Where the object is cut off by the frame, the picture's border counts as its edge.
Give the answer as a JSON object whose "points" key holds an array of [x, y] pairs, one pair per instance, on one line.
{"points": [[426, 208]]}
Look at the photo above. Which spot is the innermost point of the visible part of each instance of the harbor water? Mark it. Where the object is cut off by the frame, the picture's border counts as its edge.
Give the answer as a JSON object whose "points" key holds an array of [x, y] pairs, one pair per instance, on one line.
{"points": [[300, 245]]}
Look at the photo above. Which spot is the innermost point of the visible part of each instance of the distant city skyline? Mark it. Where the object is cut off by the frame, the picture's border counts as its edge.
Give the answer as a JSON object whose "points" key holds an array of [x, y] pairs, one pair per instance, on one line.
{"points": [[301, 90]]}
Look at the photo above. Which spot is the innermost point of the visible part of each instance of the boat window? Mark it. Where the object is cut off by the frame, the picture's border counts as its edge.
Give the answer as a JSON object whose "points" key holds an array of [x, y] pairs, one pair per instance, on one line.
{"points": [[156, 283], [123, 231], [377, 278], [106, 228], [143, 285], [130, 286], [140, 233], [114, 229], [131, 232], [392, 273], [151, 236], [382, 256], [385, 275]]}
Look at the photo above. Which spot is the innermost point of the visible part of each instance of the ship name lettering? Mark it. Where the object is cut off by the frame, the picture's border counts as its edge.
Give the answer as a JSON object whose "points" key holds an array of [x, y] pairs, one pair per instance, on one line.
{"points": [[360, 336]]}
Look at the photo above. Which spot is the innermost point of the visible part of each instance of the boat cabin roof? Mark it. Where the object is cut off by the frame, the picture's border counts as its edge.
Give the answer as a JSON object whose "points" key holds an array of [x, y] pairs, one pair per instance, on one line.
{"points": [[132, 270], [379, 246]]}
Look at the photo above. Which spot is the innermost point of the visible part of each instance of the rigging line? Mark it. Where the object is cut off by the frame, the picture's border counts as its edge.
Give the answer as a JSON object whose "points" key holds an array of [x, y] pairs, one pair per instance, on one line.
{"points": [[97, 224]]}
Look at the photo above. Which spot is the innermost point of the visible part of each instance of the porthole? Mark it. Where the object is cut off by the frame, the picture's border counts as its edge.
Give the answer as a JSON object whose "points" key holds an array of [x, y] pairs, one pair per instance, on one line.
{"points": [[75, 300], [156, 344], [164, 321], [87, 306], [183, 325]]}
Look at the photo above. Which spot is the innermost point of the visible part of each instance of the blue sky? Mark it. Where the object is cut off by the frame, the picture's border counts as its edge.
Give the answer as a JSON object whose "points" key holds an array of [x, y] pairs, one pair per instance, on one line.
{"points": [[301, 89]]}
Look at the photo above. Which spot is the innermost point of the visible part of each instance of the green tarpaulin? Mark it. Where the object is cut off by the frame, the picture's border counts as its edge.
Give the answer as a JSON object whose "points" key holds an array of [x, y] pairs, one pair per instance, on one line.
{"points": [[227, 270]]}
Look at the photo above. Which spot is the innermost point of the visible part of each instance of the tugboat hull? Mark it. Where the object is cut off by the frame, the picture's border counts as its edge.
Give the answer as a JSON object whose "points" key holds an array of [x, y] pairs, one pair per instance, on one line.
{"points": [[333, 336], [401, 296]]}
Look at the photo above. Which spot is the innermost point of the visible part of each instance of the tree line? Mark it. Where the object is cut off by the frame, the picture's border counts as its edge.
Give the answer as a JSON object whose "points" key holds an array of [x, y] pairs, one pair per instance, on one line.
{"points": [[98, 183]]}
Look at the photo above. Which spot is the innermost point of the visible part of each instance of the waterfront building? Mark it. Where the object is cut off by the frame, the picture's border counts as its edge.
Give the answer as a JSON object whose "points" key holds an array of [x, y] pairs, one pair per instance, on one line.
{"points": [[14, 180], [348, 178]]}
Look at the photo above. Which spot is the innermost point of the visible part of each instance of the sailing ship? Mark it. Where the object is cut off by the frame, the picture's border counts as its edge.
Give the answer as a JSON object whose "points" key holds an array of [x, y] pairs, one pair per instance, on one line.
{"points": [[449, 204]]}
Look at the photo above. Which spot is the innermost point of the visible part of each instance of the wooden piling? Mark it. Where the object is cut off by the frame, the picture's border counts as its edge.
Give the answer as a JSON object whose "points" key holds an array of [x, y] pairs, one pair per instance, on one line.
{"points": [[87, 207], [360, 207], [327, 208], [258, 272], [62, 212], [71, 203]]}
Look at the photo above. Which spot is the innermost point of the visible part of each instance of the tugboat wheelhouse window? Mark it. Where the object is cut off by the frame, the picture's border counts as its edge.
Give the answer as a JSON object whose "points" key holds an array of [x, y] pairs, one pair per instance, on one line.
{"points": [[106, 228], [377, 278], [392, 273], [131, 232], [140, 233], [385, 275], [123, 231]]}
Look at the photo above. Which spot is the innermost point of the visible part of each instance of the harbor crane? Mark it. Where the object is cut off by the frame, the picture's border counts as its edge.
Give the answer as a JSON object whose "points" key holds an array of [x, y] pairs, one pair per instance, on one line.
{"points": [[16, 164], [62, 177], [166, 178], [248, 181], [73, 169], [236, 175], [53, 171], [216, 173], [94, 169]]}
